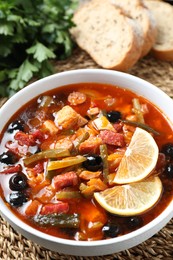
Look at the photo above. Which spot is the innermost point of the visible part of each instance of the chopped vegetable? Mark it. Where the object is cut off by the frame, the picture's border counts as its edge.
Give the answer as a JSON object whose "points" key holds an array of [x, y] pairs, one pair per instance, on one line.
{"points": [[53, 165], [81, 139], [45, 101], [93, 111], [67, 118], [114, 160], [137, 110], [87, 175], [59, 220], [64, 143], [49, 126], [95, 225], [50, 174], [32, 209], [63, 195], [143, 126], [97, 183], [48, 154], [102, 123], [91, 145], [104, 156], [87, 191]]}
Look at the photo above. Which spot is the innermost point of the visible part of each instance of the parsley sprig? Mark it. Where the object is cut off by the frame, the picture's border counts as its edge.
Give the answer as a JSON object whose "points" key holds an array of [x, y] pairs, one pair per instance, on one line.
{"points": [[32, 33]]}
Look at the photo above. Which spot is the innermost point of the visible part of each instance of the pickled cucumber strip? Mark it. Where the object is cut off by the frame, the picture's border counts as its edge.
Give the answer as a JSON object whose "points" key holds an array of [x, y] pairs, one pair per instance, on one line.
{"points": [[81, 139], [137, 110], [66, 162], [50, 174], [61, 195], [143, 126], [104, 156], [48, 154], [59, 220]]}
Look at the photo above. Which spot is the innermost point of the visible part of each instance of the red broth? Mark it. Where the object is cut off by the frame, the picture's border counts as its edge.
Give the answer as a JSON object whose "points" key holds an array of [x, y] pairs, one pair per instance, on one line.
{"points": [[31, 191]]}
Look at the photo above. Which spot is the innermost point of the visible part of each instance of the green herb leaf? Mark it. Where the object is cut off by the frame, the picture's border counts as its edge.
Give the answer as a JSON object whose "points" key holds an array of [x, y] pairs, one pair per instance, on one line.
{"points": [[25, 73], [31, 34], [3, 75], [6, 28], [40, 52]]}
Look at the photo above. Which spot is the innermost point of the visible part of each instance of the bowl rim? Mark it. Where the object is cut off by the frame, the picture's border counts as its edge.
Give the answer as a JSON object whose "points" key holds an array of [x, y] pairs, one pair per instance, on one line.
{"points": [[166, 215]]}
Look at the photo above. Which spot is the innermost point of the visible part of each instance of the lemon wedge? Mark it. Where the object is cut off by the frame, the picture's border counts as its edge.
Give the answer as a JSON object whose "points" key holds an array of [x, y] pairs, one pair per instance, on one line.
{"points": [[130, 199], [139, 159]]}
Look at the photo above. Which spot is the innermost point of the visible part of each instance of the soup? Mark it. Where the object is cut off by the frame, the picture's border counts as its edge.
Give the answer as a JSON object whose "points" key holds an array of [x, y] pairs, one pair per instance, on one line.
{"points": [[62, 151]]}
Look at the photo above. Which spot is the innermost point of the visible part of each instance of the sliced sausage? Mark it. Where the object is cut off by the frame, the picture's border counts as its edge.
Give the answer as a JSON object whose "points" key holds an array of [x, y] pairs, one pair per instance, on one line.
{"points": [[112, 138], [60, 207], [65, 180]]}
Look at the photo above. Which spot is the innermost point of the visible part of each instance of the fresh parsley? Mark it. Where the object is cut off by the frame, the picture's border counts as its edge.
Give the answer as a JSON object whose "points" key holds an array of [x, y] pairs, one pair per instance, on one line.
{"points": [[32, 33]]}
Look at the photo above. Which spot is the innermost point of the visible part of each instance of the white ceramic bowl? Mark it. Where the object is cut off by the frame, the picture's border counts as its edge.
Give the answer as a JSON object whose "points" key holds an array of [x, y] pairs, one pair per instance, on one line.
{"points": [[86, 248]]}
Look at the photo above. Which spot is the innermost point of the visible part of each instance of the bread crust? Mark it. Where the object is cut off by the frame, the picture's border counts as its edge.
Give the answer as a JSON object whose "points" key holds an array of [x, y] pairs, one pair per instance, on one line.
{"points": [[144, 18], [163, 14], [166, 55], [107, 35]]}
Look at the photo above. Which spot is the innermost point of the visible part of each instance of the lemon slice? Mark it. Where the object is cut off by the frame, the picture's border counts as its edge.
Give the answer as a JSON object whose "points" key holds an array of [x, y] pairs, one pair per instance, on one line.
{"points": [[130, 199], [139, 159]]}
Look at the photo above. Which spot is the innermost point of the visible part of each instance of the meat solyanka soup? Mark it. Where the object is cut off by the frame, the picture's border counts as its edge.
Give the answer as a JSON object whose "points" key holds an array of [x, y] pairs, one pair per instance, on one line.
{"points": [[87, 162]]}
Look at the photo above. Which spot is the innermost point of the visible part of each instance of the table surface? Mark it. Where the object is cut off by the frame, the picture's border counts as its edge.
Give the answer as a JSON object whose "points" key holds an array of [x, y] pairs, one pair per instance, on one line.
{"points": [[14, 246]]}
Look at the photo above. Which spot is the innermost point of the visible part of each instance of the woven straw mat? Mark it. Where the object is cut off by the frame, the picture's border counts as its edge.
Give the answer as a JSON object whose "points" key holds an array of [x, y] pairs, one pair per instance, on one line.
{"points": [[160, 246]]}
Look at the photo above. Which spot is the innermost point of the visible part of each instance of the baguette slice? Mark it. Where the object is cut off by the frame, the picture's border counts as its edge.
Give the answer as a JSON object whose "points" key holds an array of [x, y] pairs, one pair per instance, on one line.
{"points": [[143, 17], [107, 35], [163, 13]]}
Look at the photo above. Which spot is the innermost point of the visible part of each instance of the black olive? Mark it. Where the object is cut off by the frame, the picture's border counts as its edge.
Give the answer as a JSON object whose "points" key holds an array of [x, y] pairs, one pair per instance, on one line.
{"points": [[169, 170], [93, 163], [134, 222], [17, 199], [8, 158], [18, 182], [16, 125], [111, 230], [113, 116], [167, 149]]}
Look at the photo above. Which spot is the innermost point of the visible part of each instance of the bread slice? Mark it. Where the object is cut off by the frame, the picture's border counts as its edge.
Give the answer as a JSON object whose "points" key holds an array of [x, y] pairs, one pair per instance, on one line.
{"points": [[110, 38], [163, 13], [143, 17]]}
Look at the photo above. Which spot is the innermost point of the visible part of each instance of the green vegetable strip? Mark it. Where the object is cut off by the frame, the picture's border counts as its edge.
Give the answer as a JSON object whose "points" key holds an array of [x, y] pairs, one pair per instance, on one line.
{"points": [[104, 156], [50, 174], [66, 162], [81, 139], [137, 110], [61, 195], [58, 220], [48, 154], [143, 126]]}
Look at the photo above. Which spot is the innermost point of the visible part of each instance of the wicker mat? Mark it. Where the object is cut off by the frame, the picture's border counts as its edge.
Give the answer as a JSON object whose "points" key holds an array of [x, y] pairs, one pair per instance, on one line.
{"points": [[160, 246]]}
